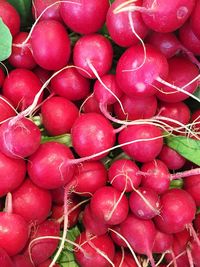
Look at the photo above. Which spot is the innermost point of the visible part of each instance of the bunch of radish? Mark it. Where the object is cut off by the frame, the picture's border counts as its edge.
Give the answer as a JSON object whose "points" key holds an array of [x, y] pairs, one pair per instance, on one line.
{"points": [[100, 132]]}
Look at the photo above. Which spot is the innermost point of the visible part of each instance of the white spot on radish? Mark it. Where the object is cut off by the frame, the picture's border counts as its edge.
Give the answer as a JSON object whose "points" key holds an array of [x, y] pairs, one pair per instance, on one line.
{"points": [[140, 86], [140, 213], [182, 12]]}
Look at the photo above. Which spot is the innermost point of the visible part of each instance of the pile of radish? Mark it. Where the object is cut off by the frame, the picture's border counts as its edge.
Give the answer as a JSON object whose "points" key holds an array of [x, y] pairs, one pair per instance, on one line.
{"points": [[100, 134]]}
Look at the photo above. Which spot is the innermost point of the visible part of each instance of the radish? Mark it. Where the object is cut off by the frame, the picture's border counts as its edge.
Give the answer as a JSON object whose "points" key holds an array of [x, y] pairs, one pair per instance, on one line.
{"points": [[20, 87], [21, 57], [2, 77], [137, 70], [123, 175], [19, 139], [124, 259], [195, 20], [42, 6], [140, 234], [47, 264], [21, 260], [70, 84], [109, 206], [84, 17], [162, 243], [116, 235], [96, 251], [58, 115], [195, 251], [5, 260], [10, 17], [49, 166], [145, 141], [177, 212], [192, 185], [58, 195], [12, 173], [93, 51], [46, 56], [91, 105], [92, 133], [27, 201]]}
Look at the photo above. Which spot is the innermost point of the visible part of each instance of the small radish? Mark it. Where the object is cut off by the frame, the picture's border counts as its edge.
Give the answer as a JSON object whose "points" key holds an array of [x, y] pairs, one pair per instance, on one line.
{"points": [[47, 56], [192, 186], [93, 51], [163, 242], [91, 105], [109, 205], [146, 141], [124, 260], [20, 138], [50, 9], [58, 115], [96, 250], [85, 16]]}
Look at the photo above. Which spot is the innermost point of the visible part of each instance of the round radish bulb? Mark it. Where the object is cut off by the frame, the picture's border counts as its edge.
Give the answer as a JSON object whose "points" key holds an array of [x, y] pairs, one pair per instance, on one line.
{"points": [[70, 84], [27, 201], [119, 26], [22, 261], [155, 175], [6, 110], [92, 133], [51, 50], [85, 16], [42, 6], [21, 56], [20, 87], [167, 43], [93, 51], [91, 105], [13, 241], [109, 205], [137, 71], [125, 260], [136, 107], [12, 173], [162, 243], [10, 17], [5, 260], [178, 211], [58, 115], [195, 20], [92, 257], [146, 205], [171, 158], [123, 175], [20, 138], [189, 39], [88, 177], [146, 141], [161, 16], [43, 249], [181, 72], [49, 166], [192, 186]]}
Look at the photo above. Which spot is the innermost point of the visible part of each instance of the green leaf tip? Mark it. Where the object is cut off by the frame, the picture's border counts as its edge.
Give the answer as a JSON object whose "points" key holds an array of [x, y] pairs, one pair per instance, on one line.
{"points": [[5, 41]]}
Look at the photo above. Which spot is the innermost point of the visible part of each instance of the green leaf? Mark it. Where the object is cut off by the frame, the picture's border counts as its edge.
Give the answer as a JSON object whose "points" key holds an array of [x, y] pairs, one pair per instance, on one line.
{"points": [[63, 139], [24, 9], [5, 41], [187, 147]]}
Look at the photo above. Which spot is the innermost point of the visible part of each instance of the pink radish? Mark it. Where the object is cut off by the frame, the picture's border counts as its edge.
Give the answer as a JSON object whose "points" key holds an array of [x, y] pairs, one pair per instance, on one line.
{"points": [[162, 243], [50, 9], [6, 109], [124, 260]]}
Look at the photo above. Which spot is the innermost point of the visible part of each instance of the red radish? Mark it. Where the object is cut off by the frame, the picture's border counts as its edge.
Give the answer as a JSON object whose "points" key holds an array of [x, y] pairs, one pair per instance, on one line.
{"points": [[21, 57], [42, 74], [136, 107], [119, 26], [123, 175], [43, 248], [20, 87], [21, 260], [92, 133], [181, 72], [98, 250], [195, 20], [86, 16], [93, 51], [171, 158], [6, 109], [20, 138], [162, 17], [115, 235], [49, 166], [58, 195], [12, 173], [140, 234], [125, 260], [91, 105], [71, 84], [58, 115], [47, 264], [137, 70], [5, 260], [27, 201], [10, 17], [162, 243], [50, 9], [2, 77], [145, 141], [195, 252], [47, 56], [177, 212], [93, 225], [146, 205], [88, 177], [109, 205], [192, 186]]}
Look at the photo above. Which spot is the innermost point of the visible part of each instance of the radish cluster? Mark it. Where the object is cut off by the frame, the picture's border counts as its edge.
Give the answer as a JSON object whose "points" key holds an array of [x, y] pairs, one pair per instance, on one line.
{"points": [[93, 89]]}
